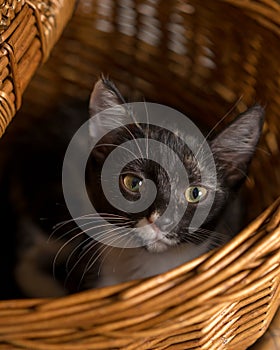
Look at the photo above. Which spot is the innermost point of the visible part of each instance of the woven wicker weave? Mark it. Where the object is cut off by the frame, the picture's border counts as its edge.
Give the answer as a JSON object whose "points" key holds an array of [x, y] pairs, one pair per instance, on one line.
{"points": [[28, 31], [199, 57]]}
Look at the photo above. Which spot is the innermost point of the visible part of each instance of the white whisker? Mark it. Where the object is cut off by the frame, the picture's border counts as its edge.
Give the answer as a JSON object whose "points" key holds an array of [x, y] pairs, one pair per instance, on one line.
{"points": [[119, 146], [147, 131], [105, 216], [96, 220], [109, 246], [72, 239], [115, 233], [217, 124], [133, 137]]}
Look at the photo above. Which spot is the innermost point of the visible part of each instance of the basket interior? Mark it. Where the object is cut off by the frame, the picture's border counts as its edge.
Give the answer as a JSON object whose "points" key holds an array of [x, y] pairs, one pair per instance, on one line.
{"points": [[191, 56]]}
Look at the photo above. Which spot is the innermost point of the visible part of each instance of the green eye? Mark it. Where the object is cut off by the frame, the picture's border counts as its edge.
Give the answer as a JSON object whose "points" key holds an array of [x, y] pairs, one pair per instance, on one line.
{"points": [[132, 183], [195, 194]]}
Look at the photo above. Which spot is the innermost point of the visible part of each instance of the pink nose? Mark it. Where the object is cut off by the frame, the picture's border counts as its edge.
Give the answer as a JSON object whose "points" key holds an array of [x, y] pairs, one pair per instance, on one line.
{"points": [[159, 223], [153, 217]]}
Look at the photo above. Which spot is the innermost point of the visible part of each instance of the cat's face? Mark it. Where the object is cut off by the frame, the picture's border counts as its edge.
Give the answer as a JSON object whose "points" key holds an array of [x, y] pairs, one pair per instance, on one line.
{"points": [[158, 232], [232, 150]]}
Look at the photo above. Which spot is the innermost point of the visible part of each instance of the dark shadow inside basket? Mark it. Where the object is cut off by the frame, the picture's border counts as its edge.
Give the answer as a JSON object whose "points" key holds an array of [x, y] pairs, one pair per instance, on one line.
{"points": [[194, 58]]}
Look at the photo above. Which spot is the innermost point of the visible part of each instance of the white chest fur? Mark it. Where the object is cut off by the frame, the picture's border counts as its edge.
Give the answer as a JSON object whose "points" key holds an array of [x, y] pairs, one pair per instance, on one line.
{"points": [[121, 265]]}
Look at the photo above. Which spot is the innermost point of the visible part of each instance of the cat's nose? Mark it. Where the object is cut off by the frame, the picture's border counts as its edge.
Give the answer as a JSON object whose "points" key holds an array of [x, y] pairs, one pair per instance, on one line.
{"points": [[164, 223]]}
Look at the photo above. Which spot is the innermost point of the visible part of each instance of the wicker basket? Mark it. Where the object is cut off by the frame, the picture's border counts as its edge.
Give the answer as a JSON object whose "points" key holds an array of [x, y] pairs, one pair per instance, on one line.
{"points": [[199, 57], [28, 31]]}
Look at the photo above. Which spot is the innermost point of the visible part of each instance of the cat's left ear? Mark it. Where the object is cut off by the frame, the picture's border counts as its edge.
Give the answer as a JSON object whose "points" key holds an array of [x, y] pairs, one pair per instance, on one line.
{"points": [[234, 147]]}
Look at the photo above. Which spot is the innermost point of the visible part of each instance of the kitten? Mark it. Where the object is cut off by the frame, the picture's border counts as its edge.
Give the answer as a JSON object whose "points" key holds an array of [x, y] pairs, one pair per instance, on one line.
{"points": [[162, 249], [157, 244]]}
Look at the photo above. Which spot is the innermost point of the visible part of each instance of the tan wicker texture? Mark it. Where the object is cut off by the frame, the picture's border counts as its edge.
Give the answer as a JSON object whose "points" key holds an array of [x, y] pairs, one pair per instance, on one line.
{"points": [[271, 339], [199, 57], [28, 31]]}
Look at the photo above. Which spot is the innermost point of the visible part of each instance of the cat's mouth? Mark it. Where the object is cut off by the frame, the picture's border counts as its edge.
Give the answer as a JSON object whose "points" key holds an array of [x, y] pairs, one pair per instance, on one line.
{"points": [[153, 239]]}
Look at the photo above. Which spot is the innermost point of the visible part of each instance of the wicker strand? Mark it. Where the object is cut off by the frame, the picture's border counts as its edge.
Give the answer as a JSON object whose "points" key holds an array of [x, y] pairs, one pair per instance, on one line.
{"points": [[27, 37]]}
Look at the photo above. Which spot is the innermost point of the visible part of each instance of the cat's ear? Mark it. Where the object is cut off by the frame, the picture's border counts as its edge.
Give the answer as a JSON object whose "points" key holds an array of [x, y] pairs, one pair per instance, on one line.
{"points": [[234, 147], [108, 114], [104, 95]]}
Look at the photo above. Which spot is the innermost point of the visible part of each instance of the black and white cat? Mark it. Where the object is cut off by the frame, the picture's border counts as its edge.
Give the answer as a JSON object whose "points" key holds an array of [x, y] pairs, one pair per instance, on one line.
{"points": [[82, 263], [163, 249]]}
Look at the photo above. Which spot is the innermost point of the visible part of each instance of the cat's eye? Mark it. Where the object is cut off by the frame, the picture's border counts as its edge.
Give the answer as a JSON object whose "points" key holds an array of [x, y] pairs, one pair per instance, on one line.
{"points": [[132, 182], [195, 194]]}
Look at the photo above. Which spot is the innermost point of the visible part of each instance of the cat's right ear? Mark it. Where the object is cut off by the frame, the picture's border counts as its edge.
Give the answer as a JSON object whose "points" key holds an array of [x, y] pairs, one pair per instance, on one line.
{"points": [[107, 114], [104, 95]]}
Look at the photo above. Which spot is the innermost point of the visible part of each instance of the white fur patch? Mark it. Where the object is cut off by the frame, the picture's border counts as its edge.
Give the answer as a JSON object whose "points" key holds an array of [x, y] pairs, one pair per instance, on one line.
{"points": [[121, 265], [152, 237], [158, 255]]}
